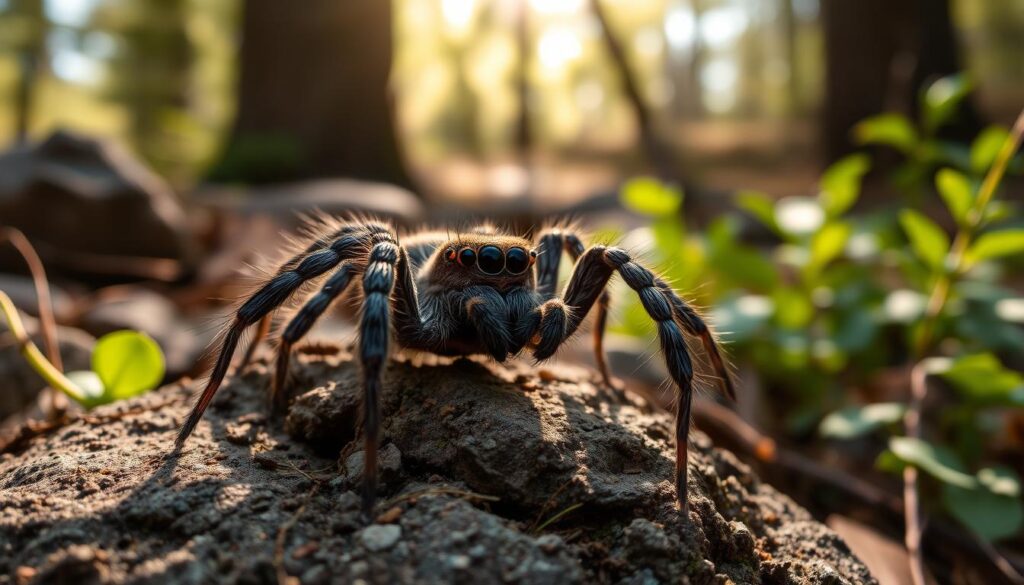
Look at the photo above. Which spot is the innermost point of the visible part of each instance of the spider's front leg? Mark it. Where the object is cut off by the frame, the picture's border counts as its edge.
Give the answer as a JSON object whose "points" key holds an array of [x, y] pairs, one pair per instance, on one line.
{"points": [[559, 319], [552, 243]]}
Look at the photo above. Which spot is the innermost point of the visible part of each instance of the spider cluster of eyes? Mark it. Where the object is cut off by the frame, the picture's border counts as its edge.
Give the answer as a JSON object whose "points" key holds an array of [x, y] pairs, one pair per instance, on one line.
{"points": [[492, 260]]}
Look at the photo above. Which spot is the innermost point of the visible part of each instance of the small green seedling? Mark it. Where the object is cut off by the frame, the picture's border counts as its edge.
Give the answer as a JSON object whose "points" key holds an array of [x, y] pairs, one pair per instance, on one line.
{"points": [[124, 364]]}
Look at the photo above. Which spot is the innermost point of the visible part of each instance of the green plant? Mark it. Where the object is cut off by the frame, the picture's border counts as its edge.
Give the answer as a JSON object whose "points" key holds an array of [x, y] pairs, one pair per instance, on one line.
{"points": [[920, 145], [844, 301], [124, 364]]}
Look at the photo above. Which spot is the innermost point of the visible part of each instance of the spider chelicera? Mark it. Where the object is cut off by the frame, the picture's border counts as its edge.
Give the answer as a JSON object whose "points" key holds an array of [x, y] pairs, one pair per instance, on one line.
{"points": [[481, 292]]}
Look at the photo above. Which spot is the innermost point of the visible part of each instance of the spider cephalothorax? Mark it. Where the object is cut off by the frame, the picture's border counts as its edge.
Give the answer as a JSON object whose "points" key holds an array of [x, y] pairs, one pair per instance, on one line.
{"points": [[480, 292]]}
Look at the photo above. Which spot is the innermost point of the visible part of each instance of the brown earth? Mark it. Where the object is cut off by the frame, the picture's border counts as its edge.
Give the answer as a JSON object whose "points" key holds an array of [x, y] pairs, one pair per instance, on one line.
{"points": [[491, 474]]}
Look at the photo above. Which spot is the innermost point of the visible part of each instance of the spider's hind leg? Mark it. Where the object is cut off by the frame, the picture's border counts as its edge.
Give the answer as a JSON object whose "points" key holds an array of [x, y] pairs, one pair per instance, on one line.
{"points": [[297, 328], [317, 259]]}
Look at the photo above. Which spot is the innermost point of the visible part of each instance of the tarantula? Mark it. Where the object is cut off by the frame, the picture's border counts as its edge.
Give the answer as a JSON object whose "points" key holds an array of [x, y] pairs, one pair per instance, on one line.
{"points": [[481, 292]]}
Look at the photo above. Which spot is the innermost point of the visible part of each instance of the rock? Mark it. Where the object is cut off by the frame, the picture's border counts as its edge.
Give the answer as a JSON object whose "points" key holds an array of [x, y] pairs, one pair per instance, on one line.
{"points": [[330, 196], [505, 477], [75, 196], [133, 307], [379, 537], [23, 293]]}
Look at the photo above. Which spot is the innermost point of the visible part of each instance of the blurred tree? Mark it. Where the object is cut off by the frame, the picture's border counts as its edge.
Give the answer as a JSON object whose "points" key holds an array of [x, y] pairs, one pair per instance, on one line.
{"points": [[879, 54], [25, 34], [313, 94], [151, 73]]}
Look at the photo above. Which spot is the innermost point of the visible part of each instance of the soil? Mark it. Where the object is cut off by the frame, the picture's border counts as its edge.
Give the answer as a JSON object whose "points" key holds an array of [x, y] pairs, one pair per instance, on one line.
{"points": [[492, 474]]}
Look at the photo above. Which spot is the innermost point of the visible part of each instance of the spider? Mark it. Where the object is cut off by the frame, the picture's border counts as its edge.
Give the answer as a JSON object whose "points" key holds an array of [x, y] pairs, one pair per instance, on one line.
{"points": [[481, 292]]}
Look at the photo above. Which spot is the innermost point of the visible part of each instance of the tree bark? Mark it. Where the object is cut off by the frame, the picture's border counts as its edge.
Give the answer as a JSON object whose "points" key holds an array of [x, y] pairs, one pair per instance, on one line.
{"points": [[313, 94], [879, 54]]}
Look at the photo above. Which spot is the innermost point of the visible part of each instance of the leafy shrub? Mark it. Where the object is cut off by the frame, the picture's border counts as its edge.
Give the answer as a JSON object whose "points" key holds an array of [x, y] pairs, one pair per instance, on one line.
{"points": [[842, 297]]}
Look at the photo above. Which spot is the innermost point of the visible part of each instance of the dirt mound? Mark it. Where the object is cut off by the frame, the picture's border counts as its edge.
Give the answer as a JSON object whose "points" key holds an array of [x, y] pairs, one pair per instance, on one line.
{"points": [[490, 475]]}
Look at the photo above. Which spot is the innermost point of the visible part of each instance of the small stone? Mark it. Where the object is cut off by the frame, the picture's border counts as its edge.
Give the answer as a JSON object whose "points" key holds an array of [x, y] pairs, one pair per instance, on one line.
{"points": [[315, 576], [359, 568], [239, 434], [550, 543], [380, 536], [459, 562]]}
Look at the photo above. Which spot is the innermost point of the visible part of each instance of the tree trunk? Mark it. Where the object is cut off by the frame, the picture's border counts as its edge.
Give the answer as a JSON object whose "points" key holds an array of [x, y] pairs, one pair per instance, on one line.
{"points": [[313, 94], [31, 58], [879, 54]]}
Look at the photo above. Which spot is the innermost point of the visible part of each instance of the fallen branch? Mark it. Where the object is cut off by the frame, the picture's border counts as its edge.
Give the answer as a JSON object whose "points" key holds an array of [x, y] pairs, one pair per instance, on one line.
{"points": [[911, 507]]}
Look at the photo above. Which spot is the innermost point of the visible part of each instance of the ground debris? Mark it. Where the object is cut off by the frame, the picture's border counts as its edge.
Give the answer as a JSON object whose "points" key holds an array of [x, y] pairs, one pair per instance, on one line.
{"points": [[568, 483]]}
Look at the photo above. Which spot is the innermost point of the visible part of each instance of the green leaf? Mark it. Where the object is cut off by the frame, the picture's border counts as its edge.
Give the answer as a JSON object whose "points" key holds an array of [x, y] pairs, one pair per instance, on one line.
{"points": [[890, 129], [128, 362], [827, 244], [937, 461], [840, 185], [956, 191], [649, 196], [759, 205], [989, 515], [982, 379], [997, 244], [888, 462], [793, 310], [929, 242], [986, 146], [942, 99], [855, 421]]}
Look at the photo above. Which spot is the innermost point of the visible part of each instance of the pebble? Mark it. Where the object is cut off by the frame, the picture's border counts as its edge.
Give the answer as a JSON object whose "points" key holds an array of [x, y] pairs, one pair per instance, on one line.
{"points": [[381, 536]]}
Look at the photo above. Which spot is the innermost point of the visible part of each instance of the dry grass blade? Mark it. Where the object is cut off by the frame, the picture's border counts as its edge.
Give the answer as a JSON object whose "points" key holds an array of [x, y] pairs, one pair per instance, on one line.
{"points": [[47, 321]]}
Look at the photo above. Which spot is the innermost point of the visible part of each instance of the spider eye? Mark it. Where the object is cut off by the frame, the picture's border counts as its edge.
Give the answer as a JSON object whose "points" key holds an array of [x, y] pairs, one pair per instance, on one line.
{"points": [[517, 260], [467, 257], [449, 255], [492, 260]]}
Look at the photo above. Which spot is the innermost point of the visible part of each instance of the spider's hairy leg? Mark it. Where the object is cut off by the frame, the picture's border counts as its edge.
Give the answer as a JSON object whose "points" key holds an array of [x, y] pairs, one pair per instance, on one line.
{"points": [[374, 339], [576, 249], [695, 325], [311, 263], [591, 276], [300, 324], [552, 243]]}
